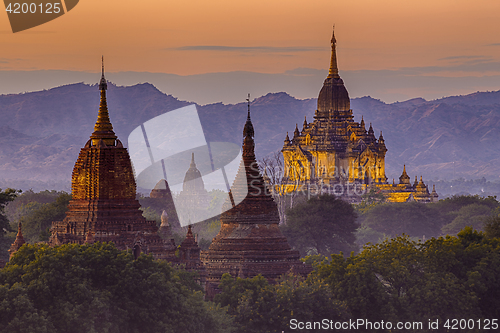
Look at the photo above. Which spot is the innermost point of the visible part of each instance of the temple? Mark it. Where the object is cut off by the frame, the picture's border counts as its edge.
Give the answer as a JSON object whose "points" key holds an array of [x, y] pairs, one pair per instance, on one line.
{"points": [[405, 191], [250, 241], [335, 154], [104, 206], [193, 201]]}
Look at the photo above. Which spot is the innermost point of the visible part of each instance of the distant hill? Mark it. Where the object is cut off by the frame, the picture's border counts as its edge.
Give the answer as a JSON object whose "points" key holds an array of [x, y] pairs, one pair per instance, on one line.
{"points": [[42, 132]]}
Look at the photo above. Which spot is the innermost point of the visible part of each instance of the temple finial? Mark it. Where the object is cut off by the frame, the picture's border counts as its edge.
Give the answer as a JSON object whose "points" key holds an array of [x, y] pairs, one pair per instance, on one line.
{"points": [[103, 85], [334, 71], [103, 130], [192, 160], [248, 129]]}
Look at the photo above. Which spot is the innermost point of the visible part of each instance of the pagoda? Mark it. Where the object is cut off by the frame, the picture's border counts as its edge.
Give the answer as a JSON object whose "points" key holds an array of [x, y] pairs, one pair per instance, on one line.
{"points": [[338, 155], [249, 241], [334, 149], [104, 206]]}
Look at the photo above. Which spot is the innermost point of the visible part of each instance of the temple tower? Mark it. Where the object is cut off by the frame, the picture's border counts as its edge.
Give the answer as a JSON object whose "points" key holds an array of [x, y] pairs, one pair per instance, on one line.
{"points": [[250, 241], [104, 205], [334, 149]]}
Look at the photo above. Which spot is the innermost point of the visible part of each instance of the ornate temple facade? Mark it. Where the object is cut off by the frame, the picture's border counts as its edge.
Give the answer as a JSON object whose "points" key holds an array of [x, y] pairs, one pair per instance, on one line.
{"points": [[405, 191], [104, 206], [334, 149], [250, 241], [335, 154]]}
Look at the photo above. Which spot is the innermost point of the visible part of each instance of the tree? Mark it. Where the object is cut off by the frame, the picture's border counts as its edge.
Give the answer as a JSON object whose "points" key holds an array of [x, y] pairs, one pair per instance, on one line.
{"points": [[6, 196], [403, 280], [39, 217], [492, 227], [413, 218], [472, 215], [322, 225], [258, 306], [97, 288], [273, 170], [370, 200]]}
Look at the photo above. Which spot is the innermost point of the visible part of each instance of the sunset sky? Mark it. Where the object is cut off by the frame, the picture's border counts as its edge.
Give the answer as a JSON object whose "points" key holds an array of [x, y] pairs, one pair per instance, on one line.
{"points": [[421, 39]]}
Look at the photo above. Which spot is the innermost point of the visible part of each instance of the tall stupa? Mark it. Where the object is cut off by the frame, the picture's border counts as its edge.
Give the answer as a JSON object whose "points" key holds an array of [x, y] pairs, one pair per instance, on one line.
{"points": [[250, 241], [104, 206]]}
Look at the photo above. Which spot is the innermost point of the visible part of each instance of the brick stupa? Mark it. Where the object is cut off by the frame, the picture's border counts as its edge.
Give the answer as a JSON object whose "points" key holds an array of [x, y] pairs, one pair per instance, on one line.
{"points": [[250, 241], [104, 206]]}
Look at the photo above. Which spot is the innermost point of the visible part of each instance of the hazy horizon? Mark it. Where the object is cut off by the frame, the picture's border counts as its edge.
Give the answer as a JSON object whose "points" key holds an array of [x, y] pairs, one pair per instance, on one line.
{"points": [[388, 49], [232, 87]]}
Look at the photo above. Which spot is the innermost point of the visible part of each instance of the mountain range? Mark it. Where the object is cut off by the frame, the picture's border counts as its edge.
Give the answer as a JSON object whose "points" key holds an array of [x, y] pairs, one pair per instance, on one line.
{"points": [[42, 132]]}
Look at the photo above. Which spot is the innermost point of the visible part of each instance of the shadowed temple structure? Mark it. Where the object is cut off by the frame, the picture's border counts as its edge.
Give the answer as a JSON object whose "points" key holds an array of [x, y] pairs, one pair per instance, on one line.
{"points": [[337, 155], [250, 241], [104, 206]]}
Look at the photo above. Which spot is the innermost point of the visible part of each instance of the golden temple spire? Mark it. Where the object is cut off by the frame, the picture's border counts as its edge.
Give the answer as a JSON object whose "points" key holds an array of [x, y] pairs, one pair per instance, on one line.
{"points": [[103, 130], [334, 71]]}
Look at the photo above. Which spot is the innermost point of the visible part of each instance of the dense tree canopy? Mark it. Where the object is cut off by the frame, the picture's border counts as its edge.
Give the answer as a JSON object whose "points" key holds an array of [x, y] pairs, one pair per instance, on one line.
{"points": [[423, 221], [39, 217], [260, 307], [97, 288], [392, 219], [322, 225], [402, 280]]}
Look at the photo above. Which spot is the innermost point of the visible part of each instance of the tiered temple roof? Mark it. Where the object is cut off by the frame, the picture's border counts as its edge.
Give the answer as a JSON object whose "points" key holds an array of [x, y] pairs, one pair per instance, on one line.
{"points": [[334, 148], [104, 205], [250, 241]]}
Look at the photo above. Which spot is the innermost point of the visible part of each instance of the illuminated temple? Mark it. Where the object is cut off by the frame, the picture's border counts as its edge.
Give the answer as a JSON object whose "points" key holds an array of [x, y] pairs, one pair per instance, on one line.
{"points": [[335, 154], [104, 206]]}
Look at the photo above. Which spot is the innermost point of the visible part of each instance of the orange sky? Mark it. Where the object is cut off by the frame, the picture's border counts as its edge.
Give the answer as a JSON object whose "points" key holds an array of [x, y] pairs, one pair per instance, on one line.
{"points": [[278, 35]]}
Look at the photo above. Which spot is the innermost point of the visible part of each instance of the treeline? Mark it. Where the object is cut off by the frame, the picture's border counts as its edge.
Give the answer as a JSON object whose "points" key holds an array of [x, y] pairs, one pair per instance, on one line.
{"points": [[379, 220], [397, 280], [96, 288]]}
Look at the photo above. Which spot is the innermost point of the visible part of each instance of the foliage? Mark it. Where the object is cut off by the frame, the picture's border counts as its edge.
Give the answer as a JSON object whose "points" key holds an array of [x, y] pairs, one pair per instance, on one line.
{"points": [[365, 234], [370, 199], [155, 207], [447, 216], [6, 196], [322, 225], [447, 209], [151, 215], [39, 217], [492, 227], [15, 209], [472, 215], [413, 218], [97, 288], [258, 306], [404, 280]]}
